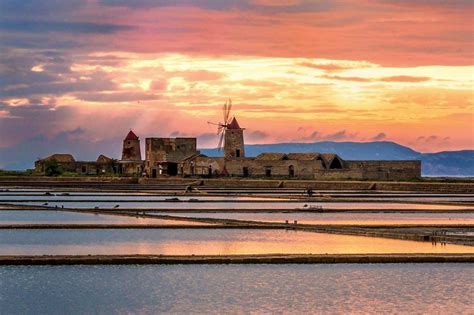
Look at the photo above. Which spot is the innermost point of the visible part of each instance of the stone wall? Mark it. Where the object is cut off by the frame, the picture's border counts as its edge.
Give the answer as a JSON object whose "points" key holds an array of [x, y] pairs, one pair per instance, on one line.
{"points": [[268, 168], [234, 143], [201, 165], [79, 167], [305, 169], [131, 168], [172, 150], [131, 150]]}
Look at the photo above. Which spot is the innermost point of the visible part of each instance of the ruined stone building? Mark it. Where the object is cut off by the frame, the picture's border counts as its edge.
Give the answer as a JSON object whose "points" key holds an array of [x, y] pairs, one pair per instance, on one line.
{"points": [[180, 157], [131, 162]]}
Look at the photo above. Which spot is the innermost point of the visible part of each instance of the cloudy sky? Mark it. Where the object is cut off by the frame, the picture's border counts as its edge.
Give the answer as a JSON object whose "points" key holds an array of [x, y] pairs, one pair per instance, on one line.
{"points": [[78, 74]]}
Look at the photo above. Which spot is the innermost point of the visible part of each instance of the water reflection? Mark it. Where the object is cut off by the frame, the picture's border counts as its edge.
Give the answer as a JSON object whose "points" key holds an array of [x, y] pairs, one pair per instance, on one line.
{"points": [[230, 289], [208, 242], [344, 218], [64, 217], [243, 205]]}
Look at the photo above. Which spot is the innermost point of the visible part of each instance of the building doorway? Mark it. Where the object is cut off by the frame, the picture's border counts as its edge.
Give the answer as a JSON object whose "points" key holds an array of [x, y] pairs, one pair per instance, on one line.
{"points": [[291, 170], [172, 169], [237, 153], [335, 164], [268, 171], [153, 173], [245, 171]]}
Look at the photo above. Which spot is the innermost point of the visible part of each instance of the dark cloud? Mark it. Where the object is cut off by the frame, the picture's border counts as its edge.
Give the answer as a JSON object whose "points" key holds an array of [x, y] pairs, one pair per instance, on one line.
{"points": [[267, 7], [26, 121], [381, 136], [452, 4], [339, 135], [23, 154], [318, 136], [432, 139], [66, 27], [39, 8], [256, 135]]}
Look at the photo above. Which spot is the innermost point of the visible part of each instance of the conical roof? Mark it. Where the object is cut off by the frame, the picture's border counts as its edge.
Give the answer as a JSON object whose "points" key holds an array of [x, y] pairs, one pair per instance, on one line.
{"points": [[131, 136], [233, 124]]}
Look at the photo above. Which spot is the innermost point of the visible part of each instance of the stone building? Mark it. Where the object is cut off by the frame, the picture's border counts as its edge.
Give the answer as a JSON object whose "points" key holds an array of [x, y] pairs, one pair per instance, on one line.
{"points": [[66, 162], [131, 162], [312, 165], [234, 141], [180, 157], [163, 155]]}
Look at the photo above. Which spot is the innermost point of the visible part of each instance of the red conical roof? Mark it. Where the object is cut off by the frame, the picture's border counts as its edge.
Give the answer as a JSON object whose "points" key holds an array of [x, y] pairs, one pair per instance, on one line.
{"points": [[233, 124], [131, 136]]}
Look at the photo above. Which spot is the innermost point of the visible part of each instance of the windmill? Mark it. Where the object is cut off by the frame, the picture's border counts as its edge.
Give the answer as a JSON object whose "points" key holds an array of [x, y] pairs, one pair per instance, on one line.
{"points": [[222, 126]]}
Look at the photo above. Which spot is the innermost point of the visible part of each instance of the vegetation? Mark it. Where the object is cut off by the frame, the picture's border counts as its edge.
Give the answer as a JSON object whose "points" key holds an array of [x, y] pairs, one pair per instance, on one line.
{"points": [[52, 168], [28, 172]]}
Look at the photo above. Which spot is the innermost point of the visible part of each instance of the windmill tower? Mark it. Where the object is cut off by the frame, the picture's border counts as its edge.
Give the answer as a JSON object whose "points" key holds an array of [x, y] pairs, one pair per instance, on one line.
{"points": [[131, 147], [231, 134]]}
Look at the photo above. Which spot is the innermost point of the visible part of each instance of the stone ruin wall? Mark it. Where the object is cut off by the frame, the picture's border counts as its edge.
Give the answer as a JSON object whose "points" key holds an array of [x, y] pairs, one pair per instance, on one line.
{"points": [[357, 170], [302, 169]]}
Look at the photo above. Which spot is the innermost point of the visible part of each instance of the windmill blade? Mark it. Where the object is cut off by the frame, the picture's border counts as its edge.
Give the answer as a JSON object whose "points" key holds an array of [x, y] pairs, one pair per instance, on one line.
{"points": [[220, 129], [229, 107], [215, 124], [221, 139], [225, 111]]}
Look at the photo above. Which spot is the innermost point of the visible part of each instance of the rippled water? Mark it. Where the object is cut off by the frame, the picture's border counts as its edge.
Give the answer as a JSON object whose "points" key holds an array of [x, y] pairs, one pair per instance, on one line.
{"points": [[204, 242], [226, 289], [343, 218], [64, 217]]}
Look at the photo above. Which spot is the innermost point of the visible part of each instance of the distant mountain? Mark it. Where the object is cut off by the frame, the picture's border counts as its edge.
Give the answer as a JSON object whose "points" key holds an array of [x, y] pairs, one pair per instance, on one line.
{"points": [[454, 163], [449, 163]]}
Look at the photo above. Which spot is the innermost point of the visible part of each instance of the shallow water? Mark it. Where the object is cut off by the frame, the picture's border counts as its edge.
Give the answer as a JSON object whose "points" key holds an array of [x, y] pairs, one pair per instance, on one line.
{"points": [[204, 242], [228, 289], [64, 217], [244, 205], [343, 218], [124, 197]]}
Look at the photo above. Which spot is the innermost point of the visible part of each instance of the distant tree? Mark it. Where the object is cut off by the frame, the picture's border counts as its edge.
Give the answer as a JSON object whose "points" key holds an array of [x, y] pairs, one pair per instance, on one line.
{"points": [[52, 168]]}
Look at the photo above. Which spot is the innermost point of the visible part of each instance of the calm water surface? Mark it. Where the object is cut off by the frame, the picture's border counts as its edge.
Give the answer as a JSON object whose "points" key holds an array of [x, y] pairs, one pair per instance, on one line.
{"points": [[47, 217], [125, 197], [229, 289], [204, 242], [343, 218], [242, 205]]}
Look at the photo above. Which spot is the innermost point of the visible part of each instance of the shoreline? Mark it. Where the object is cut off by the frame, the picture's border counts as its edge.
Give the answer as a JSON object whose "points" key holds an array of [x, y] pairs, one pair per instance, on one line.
{"points": [[234, 259]]}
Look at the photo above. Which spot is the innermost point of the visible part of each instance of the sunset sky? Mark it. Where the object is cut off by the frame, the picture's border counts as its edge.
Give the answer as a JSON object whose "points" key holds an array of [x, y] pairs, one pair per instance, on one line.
{"points": [[86, 71]]}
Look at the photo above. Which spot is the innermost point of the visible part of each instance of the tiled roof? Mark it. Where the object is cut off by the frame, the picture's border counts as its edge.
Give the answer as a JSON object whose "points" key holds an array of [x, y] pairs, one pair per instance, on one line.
{"points": [[60, 158], [131, 136], [272, 156], [103, 159], [233, 124], [310, 156]]}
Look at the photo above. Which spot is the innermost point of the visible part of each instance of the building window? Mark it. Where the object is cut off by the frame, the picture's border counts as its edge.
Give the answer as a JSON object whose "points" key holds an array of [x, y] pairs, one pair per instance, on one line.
{"points": [[84, 169], [237, 153], [245, 171], [268, 171]]}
